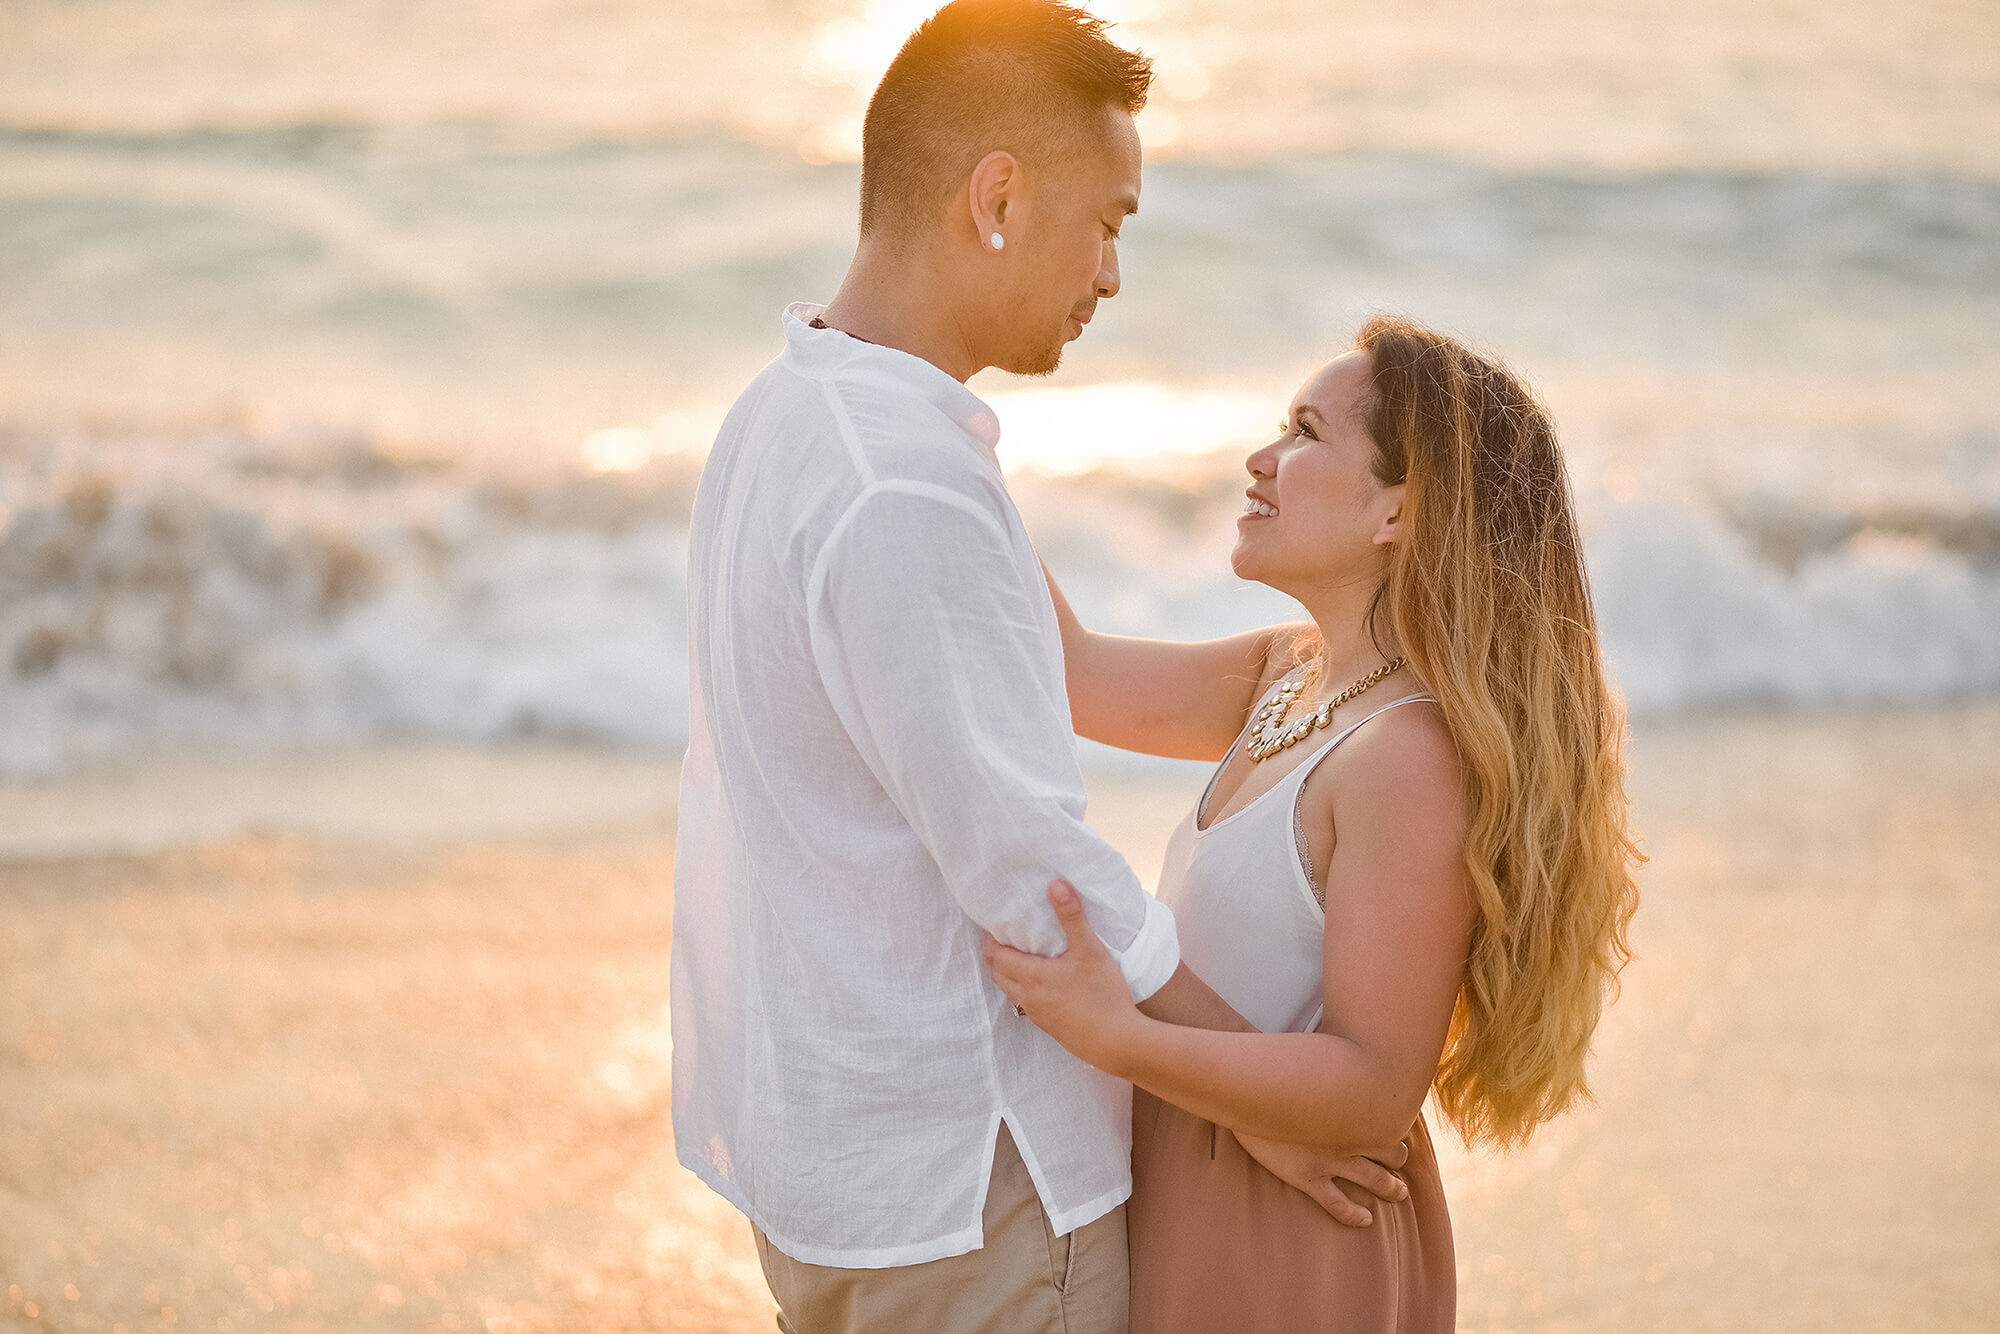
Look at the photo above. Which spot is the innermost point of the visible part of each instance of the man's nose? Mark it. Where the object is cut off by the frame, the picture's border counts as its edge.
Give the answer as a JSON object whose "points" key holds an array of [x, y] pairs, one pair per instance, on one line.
{"points": [[1107, 274]]}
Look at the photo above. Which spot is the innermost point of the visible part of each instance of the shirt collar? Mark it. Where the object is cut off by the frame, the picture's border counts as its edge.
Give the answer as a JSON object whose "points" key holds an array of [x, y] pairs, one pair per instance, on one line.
{"points": [[821, 352]]}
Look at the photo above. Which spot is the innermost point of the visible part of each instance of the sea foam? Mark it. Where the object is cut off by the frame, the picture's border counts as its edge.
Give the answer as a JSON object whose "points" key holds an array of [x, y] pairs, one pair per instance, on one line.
{"points": [[221, 590]]}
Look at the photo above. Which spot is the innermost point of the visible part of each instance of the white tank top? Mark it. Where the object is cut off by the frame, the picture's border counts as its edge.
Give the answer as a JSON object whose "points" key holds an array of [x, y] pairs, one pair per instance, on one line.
{"points": [[1250, 922]]}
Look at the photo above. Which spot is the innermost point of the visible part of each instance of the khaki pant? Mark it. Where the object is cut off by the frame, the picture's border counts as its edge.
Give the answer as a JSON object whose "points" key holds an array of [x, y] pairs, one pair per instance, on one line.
{"points": [[1024, 1280]]}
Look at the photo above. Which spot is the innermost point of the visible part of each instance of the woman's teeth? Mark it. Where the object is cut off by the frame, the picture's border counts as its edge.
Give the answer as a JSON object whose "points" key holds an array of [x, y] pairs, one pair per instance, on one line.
{"points": [[1259, 507]]}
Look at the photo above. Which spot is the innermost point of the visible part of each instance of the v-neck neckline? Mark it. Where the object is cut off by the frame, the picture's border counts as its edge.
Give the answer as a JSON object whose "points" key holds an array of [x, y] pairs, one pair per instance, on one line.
{"points": [[1303, 766], [1201, 807]]}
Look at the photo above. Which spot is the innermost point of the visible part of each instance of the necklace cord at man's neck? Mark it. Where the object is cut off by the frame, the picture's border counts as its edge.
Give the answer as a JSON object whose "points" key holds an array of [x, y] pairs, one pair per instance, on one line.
{"points": [[819, 322]]}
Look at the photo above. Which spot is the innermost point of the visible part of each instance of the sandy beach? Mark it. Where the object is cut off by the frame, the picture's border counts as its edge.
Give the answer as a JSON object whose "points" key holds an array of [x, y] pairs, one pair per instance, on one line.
{"points": [[375, 1040]]}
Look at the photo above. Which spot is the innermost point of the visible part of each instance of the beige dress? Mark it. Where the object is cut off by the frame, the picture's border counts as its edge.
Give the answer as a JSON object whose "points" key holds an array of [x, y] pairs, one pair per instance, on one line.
{"points": [[1217, 1243]]}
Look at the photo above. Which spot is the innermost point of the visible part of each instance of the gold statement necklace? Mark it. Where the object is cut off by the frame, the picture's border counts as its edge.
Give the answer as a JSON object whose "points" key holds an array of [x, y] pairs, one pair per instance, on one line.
{"points": [[1269, 733]]}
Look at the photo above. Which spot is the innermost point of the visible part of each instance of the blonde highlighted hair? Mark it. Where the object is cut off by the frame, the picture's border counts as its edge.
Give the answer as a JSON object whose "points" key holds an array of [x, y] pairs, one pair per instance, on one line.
{"points": [[1487, 597]]}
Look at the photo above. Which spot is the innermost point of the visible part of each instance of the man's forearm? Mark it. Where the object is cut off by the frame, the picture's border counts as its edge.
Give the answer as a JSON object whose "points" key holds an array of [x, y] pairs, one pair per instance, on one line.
{"points": [[1188, 1001]]}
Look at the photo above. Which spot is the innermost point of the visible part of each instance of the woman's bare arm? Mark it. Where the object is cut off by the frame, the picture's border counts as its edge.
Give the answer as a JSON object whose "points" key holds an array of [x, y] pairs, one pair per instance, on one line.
{"points": [[1166, 697], [1399, 917]]}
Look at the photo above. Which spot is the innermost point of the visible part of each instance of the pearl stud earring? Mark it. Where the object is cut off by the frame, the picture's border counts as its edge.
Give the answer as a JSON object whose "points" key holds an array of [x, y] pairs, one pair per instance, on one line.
{"points": [[999, 241]]}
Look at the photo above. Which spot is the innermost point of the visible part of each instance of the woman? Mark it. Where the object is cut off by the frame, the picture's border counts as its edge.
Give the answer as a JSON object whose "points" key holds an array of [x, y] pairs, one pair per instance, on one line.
{"points": [[1411, 871]]}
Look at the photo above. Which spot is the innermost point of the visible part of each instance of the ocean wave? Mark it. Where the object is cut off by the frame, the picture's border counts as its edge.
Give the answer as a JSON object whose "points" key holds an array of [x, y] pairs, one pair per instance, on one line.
{"points": [[218, 589], [207, 591], [529, 272]]}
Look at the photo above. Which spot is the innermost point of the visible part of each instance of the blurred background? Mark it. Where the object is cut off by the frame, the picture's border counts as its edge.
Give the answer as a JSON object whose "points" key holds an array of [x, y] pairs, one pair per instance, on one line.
{"points": [[357, 362], [356, 358]]}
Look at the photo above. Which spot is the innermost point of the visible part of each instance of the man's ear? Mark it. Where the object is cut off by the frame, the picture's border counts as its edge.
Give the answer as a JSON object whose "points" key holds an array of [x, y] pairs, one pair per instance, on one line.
{"points": [[991, 192]]}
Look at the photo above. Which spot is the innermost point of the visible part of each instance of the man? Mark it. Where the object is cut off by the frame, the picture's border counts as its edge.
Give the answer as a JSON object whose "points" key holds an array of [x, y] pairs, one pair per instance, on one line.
{"points": [[880, 762]]}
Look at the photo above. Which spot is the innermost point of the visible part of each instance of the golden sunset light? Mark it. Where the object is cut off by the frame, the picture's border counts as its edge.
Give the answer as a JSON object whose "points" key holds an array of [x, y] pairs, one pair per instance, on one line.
{"points": [[369, 380]]}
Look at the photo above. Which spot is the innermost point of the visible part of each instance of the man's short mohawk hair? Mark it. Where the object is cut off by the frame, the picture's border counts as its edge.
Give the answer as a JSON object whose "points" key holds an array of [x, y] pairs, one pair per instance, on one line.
{"points": [[1030, 76]]}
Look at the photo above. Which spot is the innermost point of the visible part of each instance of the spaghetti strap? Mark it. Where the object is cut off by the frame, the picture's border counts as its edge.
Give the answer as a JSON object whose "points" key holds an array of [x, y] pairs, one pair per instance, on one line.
{"points": [[1357, 725], [1305, 772]]}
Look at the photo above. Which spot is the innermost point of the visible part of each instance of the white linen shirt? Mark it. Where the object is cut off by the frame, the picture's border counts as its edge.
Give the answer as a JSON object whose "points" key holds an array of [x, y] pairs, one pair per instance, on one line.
{"points": [[880, 763]]}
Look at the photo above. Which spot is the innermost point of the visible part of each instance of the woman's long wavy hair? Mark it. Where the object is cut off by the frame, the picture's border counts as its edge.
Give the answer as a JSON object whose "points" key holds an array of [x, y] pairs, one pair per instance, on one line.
{"points": [[1487, 597]]}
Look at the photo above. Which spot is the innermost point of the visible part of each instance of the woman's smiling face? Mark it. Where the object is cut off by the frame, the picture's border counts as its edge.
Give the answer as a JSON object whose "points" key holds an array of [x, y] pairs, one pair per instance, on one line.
{"points": [[1317, 515]]}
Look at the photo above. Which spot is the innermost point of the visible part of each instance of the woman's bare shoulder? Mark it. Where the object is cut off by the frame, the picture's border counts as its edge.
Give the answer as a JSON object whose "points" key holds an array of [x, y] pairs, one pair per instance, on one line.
{"points": [[1402, 755]]}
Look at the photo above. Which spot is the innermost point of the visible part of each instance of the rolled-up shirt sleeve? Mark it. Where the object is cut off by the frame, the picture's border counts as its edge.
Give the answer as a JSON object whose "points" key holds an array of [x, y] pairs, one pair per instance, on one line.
{"points": [[938, 659]]}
